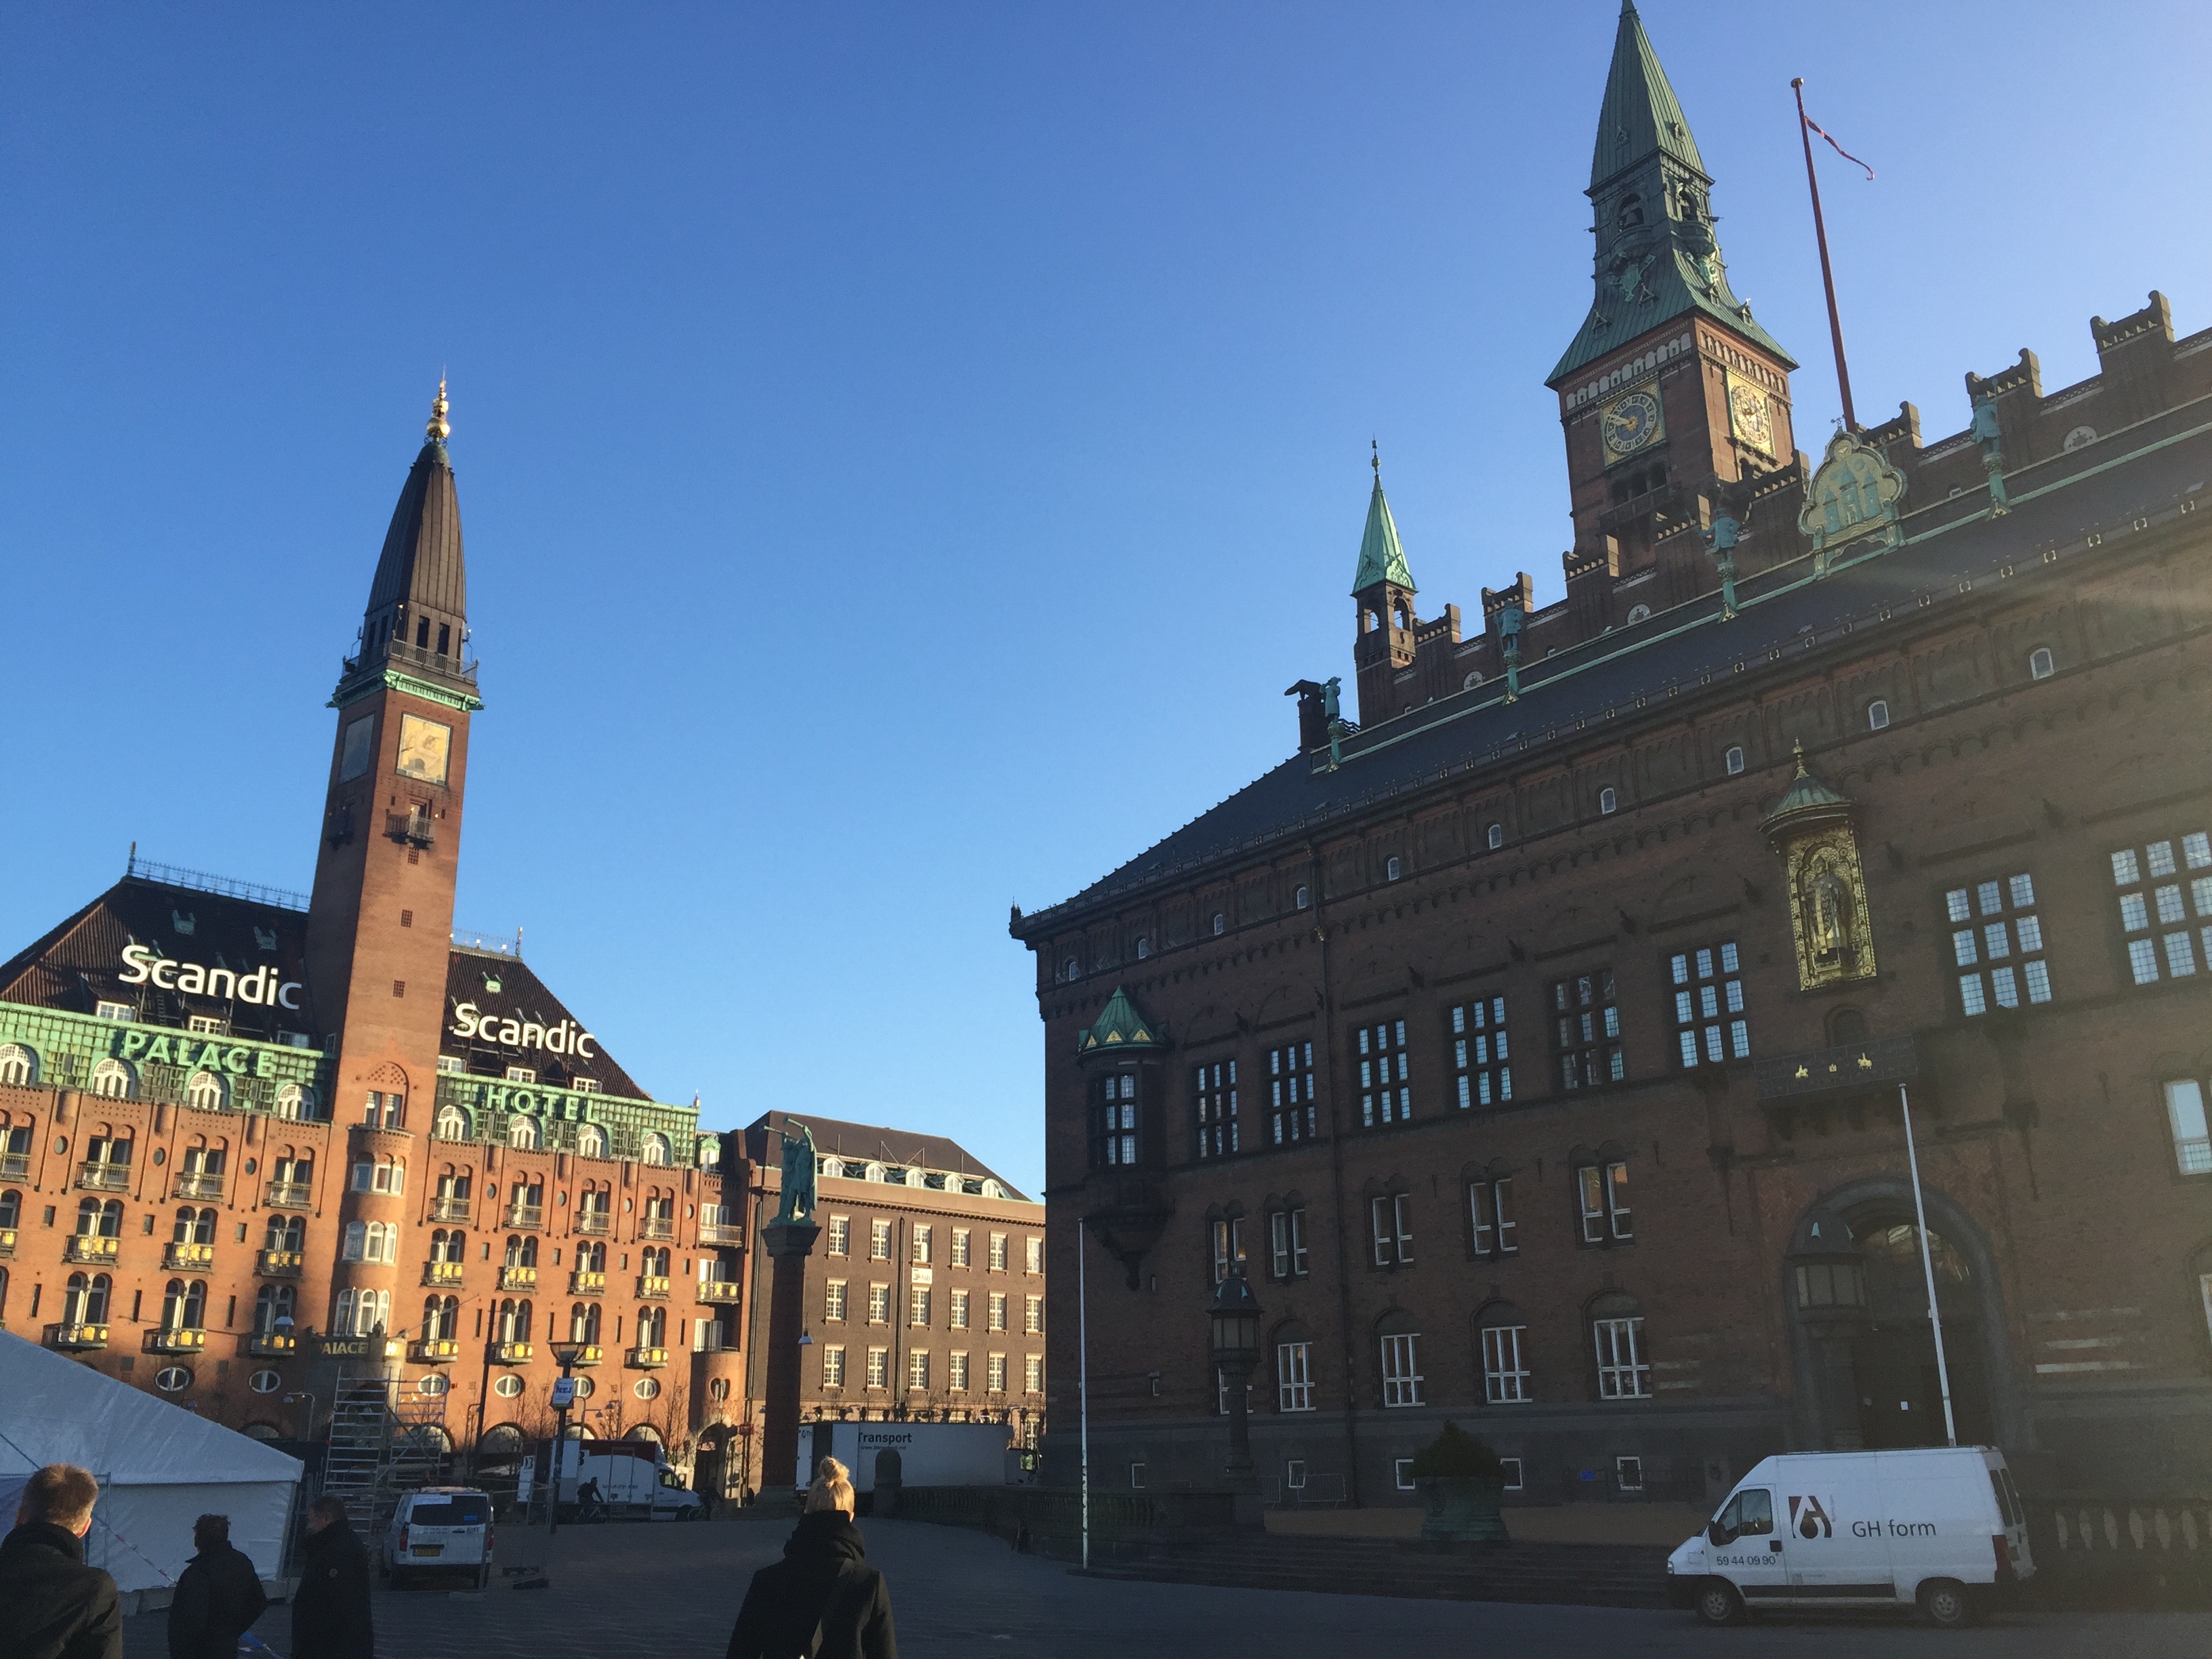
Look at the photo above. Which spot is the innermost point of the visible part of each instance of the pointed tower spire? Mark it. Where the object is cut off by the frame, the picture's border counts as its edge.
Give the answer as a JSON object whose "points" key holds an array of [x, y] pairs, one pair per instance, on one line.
{"points": [[416, 619], [1381, 558]]}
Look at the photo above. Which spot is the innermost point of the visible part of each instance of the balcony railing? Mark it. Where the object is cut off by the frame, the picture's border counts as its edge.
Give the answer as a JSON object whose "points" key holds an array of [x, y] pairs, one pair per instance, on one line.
{"points": [[272, 1345], [448, 1207], [452, 666], [187, 1258], [416, 828], [441, 1272], [532, 1216], [15, 1166], [653, 1287], [721, 1292], [511, 1353], [586, 1281], [176, 1339], [89, 1247], [7, 1241], [198, 1183], [76, 1336], [104, 1177], [435, 1351], [285, 1194], [589, 1353], [280, 1264], [656, 1227], [513, 1277], [646, 1360], [721, 1232], [591, 1221]]}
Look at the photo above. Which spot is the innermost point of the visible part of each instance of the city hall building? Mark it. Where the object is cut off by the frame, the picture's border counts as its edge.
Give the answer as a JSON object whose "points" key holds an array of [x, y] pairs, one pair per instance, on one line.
{"points": [[1535, 1044], [259, 1149]]}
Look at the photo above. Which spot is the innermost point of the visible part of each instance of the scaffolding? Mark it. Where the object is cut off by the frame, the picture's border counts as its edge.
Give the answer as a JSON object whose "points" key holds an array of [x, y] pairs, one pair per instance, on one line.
{"points": [[384, 1441]]}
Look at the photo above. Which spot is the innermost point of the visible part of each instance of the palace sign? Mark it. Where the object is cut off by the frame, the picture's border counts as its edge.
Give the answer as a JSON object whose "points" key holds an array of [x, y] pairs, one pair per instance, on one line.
{"points": [[566, 1038], [264, 987]]}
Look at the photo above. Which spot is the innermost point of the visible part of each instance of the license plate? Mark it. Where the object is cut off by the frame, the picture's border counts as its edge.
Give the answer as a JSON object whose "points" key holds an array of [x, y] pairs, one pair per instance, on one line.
{"points": [[429, 1549]]}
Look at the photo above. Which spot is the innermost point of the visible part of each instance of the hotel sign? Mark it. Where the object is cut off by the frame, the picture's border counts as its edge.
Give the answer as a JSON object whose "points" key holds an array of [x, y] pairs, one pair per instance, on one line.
{"points": [[265, 986], [566, 1038]]}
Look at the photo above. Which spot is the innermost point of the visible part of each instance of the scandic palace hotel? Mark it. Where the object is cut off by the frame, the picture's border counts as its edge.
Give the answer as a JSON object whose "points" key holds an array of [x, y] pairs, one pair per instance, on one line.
{"points": [[256, 1147], [1537, 1046]]}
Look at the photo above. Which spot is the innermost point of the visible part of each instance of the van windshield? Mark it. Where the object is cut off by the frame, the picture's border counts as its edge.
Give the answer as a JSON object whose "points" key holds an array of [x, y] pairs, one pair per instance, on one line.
{"points": [[451, 1512]]}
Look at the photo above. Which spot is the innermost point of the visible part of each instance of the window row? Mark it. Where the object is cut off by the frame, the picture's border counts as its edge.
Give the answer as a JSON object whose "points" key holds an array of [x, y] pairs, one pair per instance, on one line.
{"points": [[923, 1375], [922, 1300], [921, 1245], [1619, 1354]]}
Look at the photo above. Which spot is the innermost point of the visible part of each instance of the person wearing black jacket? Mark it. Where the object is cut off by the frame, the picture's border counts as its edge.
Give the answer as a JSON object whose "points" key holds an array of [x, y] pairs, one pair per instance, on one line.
{"points": [[329, 1613], [51, 1605], [218, 1595], [823, 1599]]}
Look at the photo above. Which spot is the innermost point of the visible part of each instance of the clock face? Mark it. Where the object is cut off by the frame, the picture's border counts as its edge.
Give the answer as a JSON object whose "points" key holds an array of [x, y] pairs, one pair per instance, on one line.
{"points": [[424, 748], [1631, 423], [1751, 415]]}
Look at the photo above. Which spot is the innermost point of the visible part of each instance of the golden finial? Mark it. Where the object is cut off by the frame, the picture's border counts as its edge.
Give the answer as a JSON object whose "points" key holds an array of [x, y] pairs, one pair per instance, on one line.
{"points": [[1797, 750], [437, 428], [1375, 458]]}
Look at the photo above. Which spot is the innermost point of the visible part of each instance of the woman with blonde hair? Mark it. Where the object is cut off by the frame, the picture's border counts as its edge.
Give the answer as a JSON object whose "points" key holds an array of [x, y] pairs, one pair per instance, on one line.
{"points": [[823, 1601]]}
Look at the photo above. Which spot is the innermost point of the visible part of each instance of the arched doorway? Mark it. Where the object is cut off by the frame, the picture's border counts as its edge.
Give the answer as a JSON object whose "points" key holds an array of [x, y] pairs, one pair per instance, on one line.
{"points": [[1893, 1361]]}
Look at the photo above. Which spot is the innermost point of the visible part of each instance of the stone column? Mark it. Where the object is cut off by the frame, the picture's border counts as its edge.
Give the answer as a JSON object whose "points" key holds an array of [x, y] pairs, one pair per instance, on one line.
{"points": [[789, 1243]]}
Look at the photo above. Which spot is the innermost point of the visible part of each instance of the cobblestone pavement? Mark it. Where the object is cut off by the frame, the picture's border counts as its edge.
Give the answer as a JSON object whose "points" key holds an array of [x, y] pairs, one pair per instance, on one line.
{"points": [[671, 1592]]}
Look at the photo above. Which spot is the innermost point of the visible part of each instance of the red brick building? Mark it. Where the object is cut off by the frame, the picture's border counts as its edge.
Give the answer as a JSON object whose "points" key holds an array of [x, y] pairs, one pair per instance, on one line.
{"points": [[1534, 1045]]}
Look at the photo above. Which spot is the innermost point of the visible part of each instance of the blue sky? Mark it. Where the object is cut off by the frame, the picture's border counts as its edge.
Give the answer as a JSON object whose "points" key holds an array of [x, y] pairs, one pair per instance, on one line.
{"points": [[905, 452]]}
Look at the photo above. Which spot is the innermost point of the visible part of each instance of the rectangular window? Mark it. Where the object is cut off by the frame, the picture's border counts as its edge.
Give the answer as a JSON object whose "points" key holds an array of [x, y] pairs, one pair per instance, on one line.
{"points": [[879, 1368], [923, 1242], [960, 1237], [1392, 1220], [879, 1304], [833, 1368], [917, 1305], [1628, 1473], [207, 1024], [1996, 944], [833, 1302], [917, 1369], [1490, 1209], [1401, 1373], [1114, 1138], [1401, 1471], [1213, 1088], [1294, 1376], [1291, 1093], [2185, 1111], [1710, 1026], [521, 1074], [1586, 1030], [1033, 1374], [1228, 1248], [841, 1235], [1479, 1053], [1033, 1315], [1033, 1255], [1505, 1373], [997, 1257], [959, 1310], [1603, 1189], [879, 1241], [997, 1313], [1513, 1477], [2164, 929], [994, 1373], [1286, 1239], [1385, 1096], [1622, 1370], [114, 1010], [956, 1371], [1136, 1477]]}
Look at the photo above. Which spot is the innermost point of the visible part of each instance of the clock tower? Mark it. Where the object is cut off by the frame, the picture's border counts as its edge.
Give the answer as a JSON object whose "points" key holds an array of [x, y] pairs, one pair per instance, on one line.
{"points": [[379, 921], [1672, 396]]}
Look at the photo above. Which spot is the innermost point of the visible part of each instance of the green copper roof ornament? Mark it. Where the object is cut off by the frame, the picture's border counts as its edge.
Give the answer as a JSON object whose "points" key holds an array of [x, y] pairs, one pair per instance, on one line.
{"points": [[1721, 538], [1381, 557], [1990, 436], [1119, 1025]]}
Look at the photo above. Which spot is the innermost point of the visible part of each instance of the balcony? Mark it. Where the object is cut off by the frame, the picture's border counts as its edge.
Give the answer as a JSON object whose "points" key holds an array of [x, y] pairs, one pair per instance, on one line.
{"points": [[646, 1360], [7, 1241], [446, 1207], [591, 1221], [272, 1345], [653, 1287], [656, 1227], [280, 1264], [514, 1277], [104, 1177], [584, 1281], [178, 1339], [721, 1232], [76, 1337], [721, 1292], [435, 1351], [416, 828], [528, 1216], [15, 1166], [198, 1183], [188, 1258], [511, 1353], [441, 1272], [588, 1353], [285, 1195], [90, 1246]]}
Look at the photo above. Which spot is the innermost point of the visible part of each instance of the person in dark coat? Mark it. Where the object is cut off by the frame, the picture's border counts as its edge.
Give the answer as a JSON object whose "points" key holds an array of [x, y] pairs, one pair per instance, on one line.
{"points": [[329, 1613], [823, 1583], [51, 1605], [218, 1596]]}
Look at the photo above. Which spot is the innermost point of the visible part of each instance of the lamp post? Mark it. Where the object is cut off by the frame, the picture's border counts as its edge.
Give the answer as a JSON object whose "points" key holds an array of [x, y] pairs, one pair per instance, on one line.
{"points": [[564, 1395], [1236, 1349]]}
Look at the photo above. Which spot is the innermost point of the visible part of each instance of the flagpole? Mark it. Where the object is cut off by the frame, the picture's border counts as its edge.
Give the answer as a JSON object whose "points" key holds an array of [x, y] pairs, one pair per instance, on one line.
{"points": [[1827, 275], [1928, 1270]]}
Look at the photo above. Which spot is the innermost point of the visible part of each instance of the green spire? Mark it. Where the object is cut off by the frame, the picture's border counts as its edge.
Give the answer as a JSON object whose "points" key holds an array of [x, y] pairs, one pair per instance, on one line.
{"points": [[1381, 557], [1119, 1025], [1657, 256]]}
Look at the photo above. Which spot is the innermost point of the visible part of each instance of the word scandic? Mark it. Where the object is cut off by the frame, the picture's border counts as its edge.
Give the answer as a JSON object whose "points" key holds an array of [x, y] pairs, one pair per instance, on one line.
{"points": [[566, 1038], [264, 987]]}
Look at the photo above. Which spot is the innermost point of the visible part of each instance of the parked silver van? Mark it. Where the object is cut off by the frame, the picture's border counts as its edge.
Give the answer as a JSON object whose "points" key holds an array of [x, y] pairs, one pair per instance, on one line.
{"points": [[439, 1529]]}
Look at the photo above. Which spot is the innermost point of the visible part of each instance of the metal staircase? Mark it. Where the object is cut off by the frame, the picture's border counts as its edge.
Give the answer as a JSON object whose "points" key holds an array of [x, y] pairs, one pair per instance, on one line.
{"points": [[384, 1441]]}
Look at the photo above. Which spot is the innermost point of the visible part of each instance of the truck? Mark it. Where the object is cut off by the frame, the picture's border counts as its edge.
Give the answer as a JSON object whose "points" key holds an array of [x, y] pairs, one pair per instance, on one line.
{"points": [[921, 1454], [635, 1481]]}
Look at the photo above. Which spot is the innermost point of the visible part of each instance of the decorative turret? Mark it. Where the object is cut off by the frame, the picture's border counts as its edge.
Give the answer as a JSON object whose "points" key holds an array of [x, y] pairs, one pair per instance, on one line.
{"points": [[1382, 590], [1119, 1027]]}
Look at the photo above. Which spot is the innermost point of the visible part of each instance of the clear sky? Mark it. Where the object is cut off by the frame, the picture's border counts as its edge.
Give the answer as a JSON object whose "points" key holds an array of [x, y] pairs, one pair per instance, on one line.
{"points": [[905, 452]]}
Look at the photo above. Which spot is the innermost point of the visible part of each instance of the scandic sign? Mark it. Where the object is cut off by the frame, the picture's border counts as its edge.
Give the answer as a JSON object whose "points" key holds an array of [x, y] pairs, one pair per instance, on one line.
{"points": [[566, 1038], [264, 987]]}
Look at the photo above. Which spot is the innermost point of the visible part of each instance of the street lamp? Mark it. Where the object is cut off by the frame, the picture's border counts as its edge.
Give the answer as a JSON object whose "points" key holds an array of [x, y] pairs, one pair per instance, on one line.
{"points": [[1236, 1349], [564, 1395]]}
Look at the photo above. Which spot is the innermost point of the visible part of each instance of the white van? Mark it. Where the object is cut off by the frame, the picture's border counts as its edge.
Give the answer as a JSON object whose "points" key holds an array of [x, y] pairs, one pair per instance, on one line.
{"points": [[1939, 1528], [439, 1529]]}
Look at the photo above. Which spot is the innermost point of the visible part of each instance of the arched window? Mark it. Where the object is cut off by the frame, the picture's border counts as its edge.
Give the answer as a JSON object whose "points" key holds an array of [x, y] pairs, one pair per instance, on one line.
{"points": [[11, 1208], [1220, 924], [592, 1141], [1293, 1368], [1304, 897], [285, 1232], [1495, 835], [1632, 212], [1637, 613], [19, 1066], [1070, 969], [1403, 1382], [1877, 715], [1392, 869], [1733, 760], [1623, 1356], [522, 1132], [653, 1150], [112, 1078], [205, 1093], [1608, 801], [296, 1100], [584, 1323], [271, 1304], [2040, 666], [1501, 1337], [1144, 947], [652, 1327], [84, 1302], [452, 1123]]}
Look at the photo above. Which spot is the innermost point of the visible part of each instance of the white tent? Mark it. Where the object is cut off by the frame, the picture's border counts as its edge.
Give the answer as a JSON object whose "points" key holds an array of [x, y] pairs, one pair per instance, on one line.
{"points": [[159, 1466]]}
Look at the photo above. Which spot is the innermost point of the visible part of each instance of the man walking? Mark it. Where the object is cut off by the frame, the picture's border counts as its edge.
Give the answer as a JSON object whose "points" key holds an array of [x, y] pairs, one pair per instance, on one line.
{"points": [[329, 1613], [218, 1595], [51, 1605]]}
